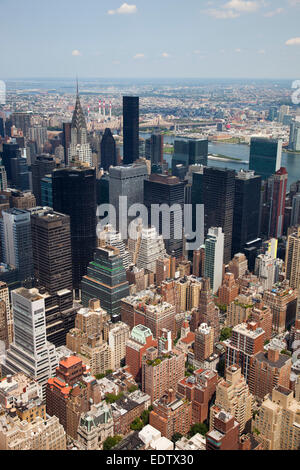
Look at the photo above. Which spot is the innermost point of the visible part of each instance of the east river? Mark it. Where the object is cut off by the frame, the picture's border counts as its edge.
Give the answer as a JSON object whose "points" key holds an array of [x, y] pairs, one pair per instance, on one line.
{"points": [[291, 161]]}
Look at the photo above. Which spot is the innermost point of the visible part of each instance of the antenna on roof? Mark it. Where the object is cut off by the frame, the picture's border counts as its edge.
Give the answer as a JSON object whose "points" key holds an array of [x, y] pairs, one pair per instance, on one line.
{"points": [[77, 92]]}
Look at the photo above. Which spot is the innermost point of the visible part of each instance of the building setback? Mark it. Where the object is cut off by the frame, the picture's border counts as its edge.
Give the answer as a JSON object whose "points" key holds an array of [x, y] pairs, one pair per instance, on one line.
{"points": [[105, 280]]}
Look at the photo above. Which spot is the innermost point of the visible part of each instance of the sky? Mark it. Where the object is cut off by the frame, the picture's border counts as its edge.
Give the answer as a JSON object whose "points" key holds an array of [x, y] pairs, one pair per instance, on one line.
{"points": [[150, 39]]}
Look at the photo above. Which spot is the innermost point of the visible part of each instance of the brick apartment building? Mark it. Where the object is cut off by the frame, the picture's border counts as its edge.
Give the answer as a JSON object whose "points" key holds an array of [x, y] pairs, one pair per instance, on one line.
{"points": [[171, 414], [199, 389]]}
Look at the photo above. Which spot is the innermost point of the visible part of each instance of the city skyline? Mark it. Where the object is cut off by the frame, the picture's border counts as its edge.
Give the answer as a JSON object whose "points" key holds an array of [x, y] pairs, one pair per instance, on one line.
{"points": [[203, 39]]}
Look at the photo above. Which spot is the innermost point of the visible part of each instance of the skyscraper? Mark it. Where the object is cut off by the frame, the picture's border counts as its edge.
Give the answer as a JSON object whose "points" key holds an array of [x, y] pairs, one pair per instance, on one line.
{"points": [[126, 181], [155, 148], [105, 280], [51, 243], [74, 194], [215, 189], [277, 185], [265, 156], [79, 150], [234, 397], [204, 342], [277, 421], [30, 352], [108, 150], [167, 190], [214, 254], [16, 241], [246, 210], [3, 177], [19, 172], [10, 151], [130, 129], [292, 259], [43, 165], [190, 152], [66, 139], [294, 143], [21, 120]]}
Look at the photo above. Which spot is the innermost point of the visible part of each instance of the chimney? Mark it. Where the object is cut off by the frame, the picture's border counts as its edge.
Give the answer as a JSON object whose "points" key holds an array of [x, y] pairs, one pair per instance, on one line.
{"points": [[273, 355], [252, 326], [171, 395]]}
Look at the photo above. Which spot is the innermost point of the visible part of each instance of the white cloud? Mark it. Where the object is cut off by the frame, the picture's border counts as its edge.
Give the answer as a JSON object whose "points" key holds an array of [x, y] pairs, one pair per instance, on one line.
{"points": [[293, 42], [261, 51], [221, 14], [233, 9], [76, 53], [124, 9], [243, 6], [165, 55], [269, 14], [139, 56], [238, 50]]}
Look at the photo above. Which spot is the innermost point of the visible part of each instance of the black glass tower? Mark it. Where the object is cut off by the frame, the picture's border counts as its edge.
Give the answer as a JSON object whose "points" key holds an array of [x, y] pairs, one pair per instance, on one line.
{"points": [[74, 194], [246, 210], [190, 152], [215, 188], [265, 156], [167, 190], [108, 150], [105, 280], [130, 129], [43, 165], [154, 149], [9, 151]]}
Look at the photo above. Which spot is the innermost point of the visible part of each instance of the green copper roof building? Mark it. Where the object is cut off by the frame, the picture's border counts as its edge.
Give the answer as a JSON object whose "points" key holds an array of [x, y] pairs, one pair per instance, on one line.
{"points": [[105, 280]]}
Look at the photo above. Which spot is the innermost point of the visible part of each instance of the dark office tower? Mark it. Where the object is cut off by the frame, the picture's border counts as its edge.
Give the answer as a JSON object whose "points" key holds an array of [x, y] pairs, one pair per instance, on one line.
{"points": [[277, 186], [16, 241], [156, 149], [21, 121], [66, 139], [246, 210], [8, 125], [51, 245], [265, 156], [74, 194], [43, 165], [31, 151], [102, 189], [130, 129], [218, 199], [19, 173], [52, 262], [190, 152], [163, 189], [126, 181], [46, 191], [9, 151], [108, 150], [105, 280], [2, 129], [273, 113]]}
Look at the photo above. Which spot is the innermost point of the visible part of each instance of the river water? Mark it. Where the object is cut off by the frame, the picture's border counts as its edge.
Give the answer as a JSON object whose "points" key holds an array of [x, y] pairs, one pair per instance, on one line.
{"points": [[291, 161]]}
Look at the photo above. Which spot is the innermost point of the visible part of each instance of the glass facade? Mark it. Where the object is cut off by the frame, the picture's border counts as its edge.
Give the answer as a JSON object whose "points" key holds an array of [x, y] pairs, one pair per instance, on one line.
{"points": [[105, 280]]}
